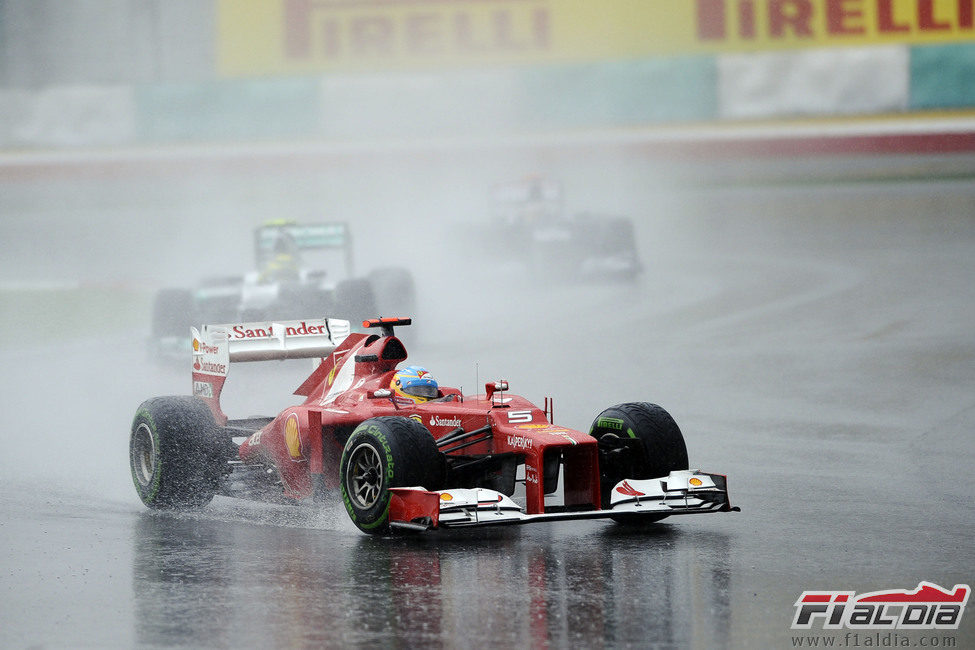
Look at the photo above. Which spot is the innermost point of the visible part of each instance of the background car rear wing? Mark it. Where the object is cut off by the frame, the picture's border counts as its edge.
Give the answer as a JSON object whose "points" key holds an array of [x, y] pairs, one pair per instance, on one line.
{"points": [[533, 196], [293, 238], [215, 347]]}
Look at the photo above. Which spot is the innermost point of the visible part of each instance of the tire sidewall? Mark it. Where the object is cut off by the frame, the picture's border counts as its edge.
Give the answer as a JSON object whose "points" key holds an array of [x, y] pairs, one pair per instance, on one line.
{"points": [[186, 457], [354, 299], [147, 493], [662, 448], [408, 458], [393, 290], [661, 438], [374, 519]]}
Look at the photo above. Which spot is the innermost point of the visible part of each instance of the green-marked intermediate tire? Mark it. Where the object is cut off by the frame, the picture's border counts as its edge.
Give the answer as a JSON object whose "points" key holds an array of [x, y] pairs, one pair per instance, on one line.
{"points": [[383, 453], [638, 440], [174, 453]]}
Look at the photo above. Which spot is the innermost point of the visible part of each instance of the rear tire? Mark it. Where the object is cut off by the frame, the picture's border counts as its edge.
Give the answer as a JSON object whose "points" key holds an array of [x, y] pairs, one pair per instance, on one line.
{"points": [[174, 453], [173, 311], [637, 440], [354, 300], [394, 291], [382, 453]]}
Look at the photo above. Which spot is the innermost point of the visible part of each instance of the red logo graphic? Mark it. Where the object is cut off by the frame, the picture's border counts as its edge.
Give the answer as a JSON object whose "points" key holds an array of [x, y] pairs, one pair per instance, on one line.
{"points": [[925, 593], [926, 608], [629, 490]]}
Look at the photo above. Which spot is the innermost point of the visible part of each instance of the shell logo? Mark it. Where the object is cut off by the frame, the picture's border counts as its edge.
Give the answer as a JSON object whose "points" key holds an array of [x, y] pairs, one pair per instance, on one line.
{"points": [[417, 418], [446, 497], [696, 482], [293, 437], [196, 345]]}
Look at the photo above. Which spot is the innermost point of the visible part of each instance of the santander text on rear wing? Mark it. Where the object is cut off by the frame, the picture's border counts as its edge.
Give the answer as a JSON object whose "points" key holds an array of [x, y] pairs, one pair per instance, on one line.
{"points": [[215, 347]]}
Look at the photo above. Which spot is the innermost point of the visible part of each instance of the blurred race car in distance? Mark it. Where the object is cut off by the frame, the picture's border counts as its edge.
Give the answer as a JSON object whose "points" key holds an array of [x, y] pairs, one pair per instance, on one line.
{"points": [[403, 464], [281, 285], [530, 224]]}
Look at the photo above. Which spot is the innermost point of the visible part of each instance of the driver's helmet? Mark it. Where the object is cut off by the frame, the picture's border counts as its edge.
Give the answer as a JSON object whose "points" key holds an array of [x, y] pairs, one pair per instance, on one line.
{"points": [[415, 383], [282, 265]]}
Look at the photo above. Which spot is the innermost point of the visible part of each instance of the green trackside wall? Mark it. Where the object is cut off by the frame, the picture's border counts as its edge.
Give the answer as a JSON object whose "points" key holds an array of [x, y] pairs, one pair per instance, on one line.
{"points": [[942, 77], [228, 110], [202, 71], [626, 93], [691, 89], [601, 95]]}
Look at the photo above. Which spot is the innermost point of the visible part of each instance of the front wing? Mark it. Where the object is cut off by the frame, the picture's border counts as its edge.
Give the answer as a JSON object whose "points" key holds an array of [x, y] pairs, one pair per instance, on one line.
{"points": [[682, 492]]}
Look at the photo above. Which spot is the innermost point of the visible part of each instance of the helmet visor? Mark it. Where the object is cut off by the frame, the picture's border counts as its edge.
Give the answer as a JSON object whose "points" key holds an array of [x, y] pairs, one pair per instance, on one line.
{"points": [[427, 391]]}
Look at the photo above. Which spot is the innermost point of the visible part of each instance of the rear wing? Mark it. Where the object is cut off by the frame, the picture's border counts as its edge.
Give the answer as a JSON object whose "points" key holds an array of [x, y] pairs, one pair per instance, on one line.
{"points": [[515, 199], [215, 347], [293, 238]]}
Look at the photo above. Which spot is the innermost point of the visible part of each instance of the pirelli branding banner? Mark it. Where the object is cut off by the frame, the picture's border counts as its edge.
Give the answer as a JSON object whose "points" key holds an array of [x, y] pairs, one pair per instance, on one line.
{"points": [[298, 36]]}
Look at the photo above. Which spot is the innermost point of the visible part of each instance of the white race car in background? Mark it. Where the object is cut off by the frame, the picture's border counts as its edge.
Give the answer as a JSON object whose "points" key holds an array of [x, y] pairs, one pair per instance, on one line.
{"points": [[283, 286], [531, 226]]}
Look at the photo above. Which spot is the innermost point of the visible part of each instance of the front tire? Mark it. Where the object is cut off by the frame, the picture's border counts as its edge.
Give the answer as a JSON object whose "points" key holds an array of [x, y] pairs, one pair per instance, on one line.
{"points": [[637, 440], [383, 453], [173, 453]]}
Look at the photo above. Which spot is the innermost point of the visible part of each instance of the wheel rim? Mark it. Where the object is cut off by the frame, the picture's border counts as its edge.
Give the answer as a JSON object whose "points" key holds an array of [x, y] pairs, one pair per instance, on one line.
{"points": [[143, 454], [365, 476]]}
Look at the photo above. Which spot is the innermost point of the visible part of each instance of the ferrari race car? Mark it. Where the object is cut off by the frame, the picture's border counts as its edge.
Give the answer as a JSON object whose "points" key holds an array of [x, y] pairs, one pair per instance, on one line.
{"points": [[283, 285], [530, 223], [450, 461]]}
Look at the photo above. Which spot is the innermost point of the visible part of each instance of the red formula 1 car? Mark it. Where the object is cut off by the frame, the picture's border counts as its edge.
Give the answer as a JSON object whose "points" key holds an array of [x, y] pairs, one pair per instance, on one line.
{"points": [[450, 461]]}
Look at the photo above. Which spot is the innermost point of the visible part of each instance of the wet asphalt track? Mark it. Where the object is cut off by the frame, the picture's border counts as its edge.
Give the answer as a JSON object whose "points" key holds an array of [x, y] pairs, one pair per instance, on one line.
{"points": [[813, 340]]}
